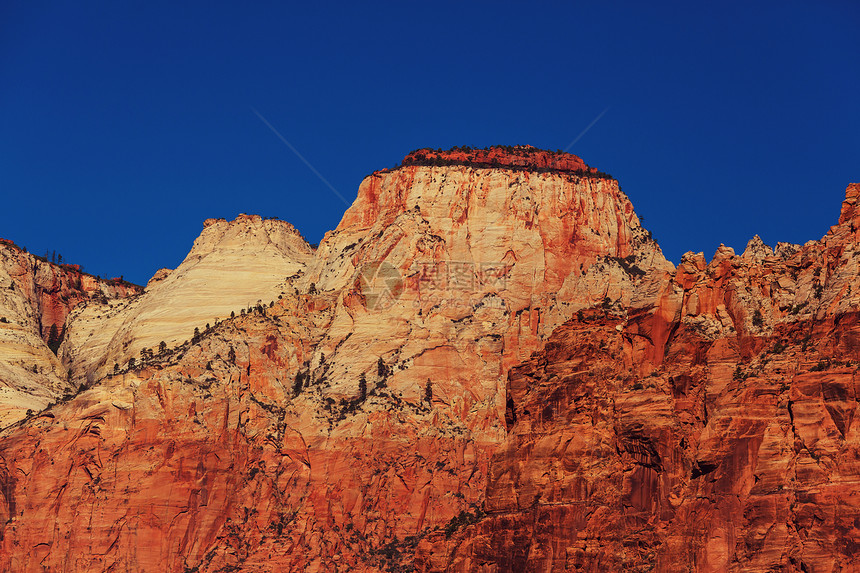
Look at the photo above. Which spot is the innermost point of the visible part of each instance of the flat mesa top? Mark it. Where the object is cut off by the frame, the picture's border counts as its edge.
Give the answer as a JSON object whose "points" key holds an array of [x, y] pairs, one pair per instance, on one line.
{"points": [[519, 157]]}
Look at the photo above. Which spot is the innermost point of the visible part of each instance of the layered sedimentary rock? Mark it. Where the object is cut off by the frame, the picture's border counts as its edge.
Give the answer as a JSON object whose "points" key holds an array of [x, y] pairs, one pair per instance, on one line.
{"points": [[232, 266], [711, 429], [332, 429], [487, 366], [454, 273], [35, 298], [523, 157]]}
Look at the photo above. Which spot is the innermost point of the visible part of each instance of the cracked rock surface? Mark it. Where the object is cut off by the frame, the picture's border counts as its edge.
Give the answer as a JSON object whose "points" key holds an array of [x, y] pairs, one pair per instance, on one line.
{"points": [[709, 430], [350, 406], [487, 366]]}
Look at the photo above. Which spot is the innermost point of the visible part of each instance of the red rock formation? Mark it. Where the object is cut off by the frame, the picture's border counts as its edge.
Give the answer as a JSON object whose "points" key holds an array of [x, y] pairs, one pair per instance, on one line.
{"points": [[318, 473], [698, 417], [517, 157], [710, 430], [52, 290]]}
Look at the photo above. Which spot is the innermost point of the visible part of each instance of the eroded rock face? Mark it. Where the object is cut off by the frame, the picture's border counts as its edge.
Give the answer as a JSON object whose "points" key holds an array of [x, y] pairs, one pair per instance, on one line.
{"points": [[35, 298], [472, 339], [348, 419], [232, 266], [712, 430], [485, 264]]}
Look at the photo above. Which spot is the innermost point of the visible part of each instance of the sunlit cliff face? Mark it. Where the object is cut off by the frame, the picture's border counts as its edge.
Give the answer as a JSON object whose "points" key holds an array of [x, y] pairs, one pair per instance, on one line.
{"points": [[487, 365]]}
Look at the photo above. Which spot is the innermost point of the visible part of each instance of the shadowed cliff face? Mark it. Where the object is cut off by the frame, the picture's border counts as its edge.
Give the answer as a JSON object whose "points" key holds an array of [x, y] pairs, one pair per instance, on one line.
{"points": [[712, 430]]}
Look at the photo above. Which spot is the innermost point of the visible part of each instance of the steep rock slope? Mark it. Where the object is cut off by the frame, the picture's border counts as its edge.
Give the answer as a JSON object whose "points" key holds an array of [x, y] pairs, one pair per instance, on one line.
{"points": [[455, 273], [35, 298], [332, 429], [712, 430], [231, 266], [185, 461]]}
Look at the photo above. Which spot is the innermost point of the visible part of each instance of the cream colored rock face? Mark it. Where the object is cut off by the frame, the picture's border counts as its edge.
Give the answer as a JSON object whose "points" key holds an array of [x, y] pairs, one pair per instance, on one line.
{"points": [[232, 265], [551, 243], [33, 295], [21, 349], [31, 377], [487, 263]]}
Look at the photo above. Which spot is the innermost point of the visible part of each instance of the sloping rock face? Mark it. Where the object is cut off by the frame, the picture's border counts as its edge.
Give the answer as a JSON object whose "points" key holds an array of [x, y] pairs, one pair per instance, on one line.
{"points": [[711, 429], [332, 429], [478, 266], [35, 298], [232, 265]]}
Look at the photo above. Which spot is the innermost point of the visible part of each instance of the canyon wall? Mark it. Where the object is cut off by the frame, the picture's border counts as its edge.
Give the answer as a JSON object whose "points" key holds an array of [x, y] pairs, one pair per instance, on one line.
{"points": [[487, 366], [711, 430]]}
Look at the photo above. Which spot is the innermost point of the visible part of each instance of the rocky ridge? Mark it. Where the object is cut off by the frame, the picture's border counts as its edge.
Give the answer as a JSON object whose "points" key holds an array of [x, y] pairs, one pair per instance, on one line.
{"points": [[367, 413], [36, 297]]}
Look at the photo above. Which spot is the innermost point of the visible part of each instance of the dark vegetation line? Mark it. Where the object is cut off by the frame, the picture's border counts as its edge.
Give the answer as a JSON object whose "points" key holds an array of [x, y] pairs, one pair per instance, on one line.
{"points": [[496, 164], [431, 158]]}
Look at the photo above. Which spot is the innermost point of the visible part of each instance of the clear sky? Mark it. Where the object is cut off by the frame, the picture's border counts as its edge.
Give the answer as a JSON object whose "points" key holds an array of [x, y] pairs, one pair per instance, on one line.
{"points": [[123, 125]]}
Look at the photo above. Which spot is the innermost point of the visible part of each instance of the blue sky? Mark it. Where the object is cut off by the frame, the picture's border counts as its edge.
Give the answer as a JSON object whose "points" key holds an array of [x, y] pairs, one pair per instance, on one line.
{"points": [[124, 125]]}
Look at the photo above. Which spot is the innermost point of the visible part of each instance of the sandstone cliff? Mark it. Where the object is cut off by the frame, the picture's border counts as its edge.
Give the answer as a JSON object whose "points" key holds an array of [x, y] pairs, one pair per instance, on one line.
{"points": [[322, 431], [231, 266], [35, 298], [485, 264], [709, 430], [487, 366]]}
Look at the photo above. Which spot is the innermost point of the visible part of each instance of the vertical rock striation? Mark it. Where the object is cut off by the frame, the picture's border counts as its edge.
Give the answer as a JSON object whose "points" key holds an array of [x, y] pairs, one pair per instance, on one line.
{"points": [[334, 428], [35, 298], [709, 429]]}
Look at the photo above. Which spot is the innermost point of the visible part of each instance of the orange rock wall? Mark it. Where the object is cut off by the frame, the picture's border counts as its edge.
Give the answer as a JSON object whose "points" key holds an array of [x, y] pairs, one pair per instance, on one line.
{"points": [[712, 430], [669, 419]]}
